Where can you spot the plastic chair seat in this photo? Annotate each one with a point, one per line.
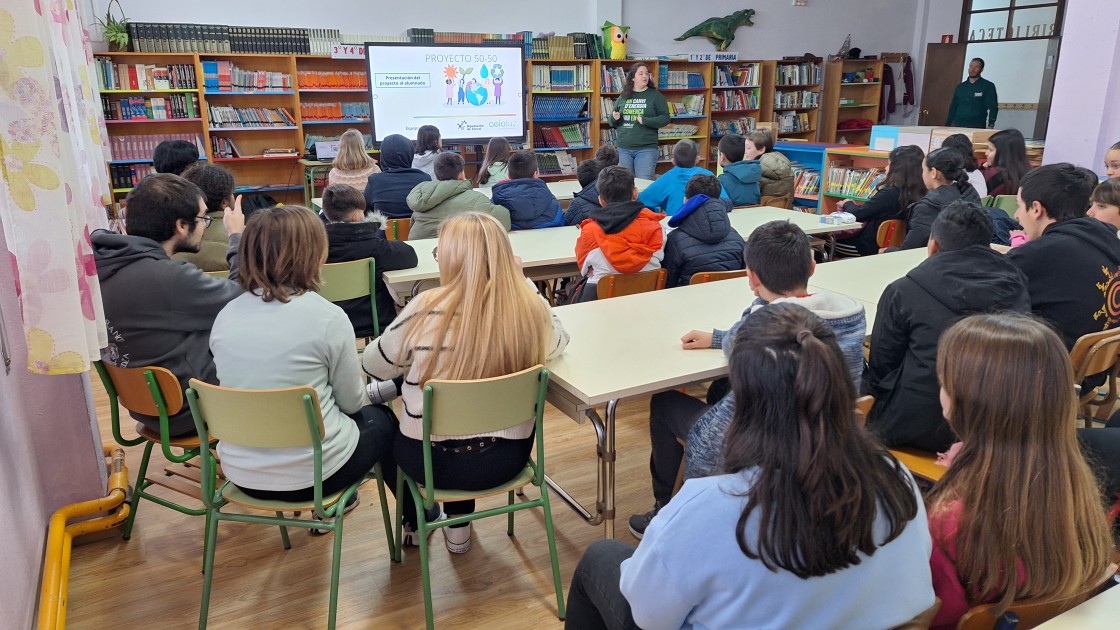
(921, 463)
(237, 496)
(183, 441)
(520, 481)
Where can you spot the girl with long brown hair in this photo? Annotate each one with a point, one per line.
(495, 165)
(1018, 492)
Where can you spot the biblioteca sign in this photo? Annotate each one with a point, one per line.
(1019, 31)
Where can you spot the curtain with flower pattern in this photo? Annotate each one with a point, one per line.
(53, 181)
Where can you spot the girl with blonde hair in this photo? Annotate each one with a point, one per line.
(352, 165)
(484, 320)
(1018, 492)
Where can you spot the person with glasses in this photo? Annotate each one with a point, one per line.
(216, 183)
(159, 311)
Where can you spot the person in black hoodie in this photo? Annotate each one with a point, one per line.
(902, 186)
(945, 178)
(1072, 261)
(703, 239)
(353, 236)
(387, 191)
(588, 174)
(159, 311)
(962, 276)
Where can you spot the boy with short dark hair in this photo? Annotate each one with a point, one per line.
(174, 156)
(740, 176)
(588, 174)
(622, 236)
(350, 237)
(703, 239)
(607, 155)
(450, 194)
(666, 193)
(530, 203)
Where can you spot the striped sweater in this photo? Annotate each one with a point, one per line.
(387, 358)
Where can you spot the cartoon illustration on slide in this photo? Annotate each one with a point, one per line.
(462, 92)
(471, 90)
(498, 72)
(450, 90)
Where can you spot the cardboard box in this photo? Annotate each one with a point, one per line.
(890, 137)
(979, 137)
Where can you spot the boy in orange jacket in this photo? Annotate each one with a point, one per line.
(623, 236)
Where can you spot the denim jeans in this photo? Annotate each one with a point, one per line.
(640, 161)
(595, 601)
(671, 416)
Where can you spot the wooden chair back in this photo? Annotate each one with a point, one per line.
(133, 389)
(922, 464)
(891, 233)
(616, 285)
(863, 407)
(397, 229)
(716, 276)
(265, 418)
(1032, 612)
(784, 201)
(1095, 353)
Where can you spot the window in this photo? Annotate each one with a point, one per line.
(1004, 20)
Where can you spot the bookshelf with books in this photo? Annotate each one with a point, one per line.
(797, 87)
(852, 92)
(333, 95)
(808, 161)
(563, 108)
(686, 86)
(741, 96)
(850, 173)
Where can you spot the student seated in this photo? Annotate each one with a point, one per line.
(351, 237)
(1072, 262)
(588, 174)
(174, 156)
(352, 166)
(666, 193)
(622, 236)
(499, 324)
(280, 333)
(428, 146)
(961, 143)
(1007, 162)
(740, 177)
(159, 311)
(386, 192)
(779, 263)
(946, 180)
(703, 239)
(1018, 493)
(530, 203)
(777, 172)
(450, 194)
(810, 523)
(608, 155)
(902, 187)
(963, 275)
(216, 183)
(495, 163)
(1105, 202)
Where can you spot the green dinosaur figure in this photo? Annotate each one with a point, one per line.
(720, 31)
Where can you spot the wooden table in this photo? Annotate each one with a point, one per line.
(566, 190)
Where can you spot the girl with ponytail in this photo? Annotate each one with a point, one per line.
(947, 181)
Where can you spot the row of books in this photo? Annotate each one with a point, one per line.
(561, 78)
(748, 75)
(797, 98)
(791, 122)
(141, 146)
(742, 126)
(853, 182)
(734, 100)
(128, 175)
(679, 79)
(806, 181)
(559, 106)
(217, 38)
(675, 130)
(223, 76)
(613, 79)
(224, 147)
(570, 46)
(235, 117)
(798, 74)
(556, 163)
(332, 80)
(691, 105)
(139, 76)
(545, 137)
(156, 108)
(334, 111)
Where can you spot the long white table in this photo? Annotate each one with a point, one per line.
(1096, 613)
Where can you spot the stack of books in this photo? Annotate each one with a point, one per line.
(741, 125)
(559, 107)
(223, 76)
(691, 105)
(853, 182)
(556, 163)
(332, 80)
(748, 75)
(679, 79)
(674, 130)
(792, 122)
(735, 100)
(139, 76)
(797, 98)
(141, 147)
(613, 79)
(249, 117)
(806, 181)
(798, 74)
(561, 78)
(334, 111)
(155, 108)
(574, 135)
(128, 175)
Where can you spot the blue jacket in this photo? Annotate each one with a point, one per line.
(666, 193)
(387, 191)
(583, 202)
(703, 241)
(740, 180)
(530, 203)
(704, 452)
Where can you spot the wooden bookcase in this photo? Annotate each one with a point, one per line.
(681, 82)
(742, 97)
(811, 157)
(563, 93)
(836, 158)
(796, 99)
(845, 99)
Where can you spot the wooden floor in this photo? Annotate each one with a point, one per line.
(155, 578)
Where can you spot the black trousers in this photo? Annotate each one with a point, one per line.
(595, 601)
(671, 416)
(1102, 451)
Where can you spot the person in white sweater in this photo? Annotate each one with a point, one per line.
(810, 525)
(279, 334)
(499, 325)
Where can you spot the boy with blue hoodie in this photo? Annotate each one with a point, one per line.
(703, 239)
(740, 177)
(667, 192)
(530, 203)
(588, 175)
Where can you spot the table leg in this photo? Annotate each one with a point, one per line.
(604, 491)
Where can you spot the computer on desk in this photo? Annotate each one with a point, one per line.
(326, 151)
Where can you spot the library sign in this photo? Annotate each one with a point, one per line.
(348, 51)
(714, 56)
(1018, 31)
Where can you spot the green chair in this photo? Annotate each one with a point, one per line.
(350, 281)
(459, 408)
(224, 275)
(986, 201)
(1007, 203)
(279, 418)
(151, 391)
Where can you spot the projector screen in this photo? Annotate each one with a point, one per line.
(471, 92)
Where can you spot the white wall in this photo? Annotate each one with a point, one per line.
(932, 19)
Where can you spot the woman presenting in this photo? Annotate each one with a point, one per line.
(638, 113)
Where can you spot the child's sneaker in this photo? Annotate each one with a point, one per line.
(411, 538)
(639, 522)
(350, 505)
(457, 539)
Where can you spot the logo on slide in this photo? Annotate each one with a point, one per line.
(466, 126)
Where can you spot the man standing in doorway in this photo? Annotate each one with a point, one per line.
(974, 100)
